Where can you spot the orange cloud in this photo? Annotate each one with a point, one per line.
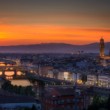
(31, 34)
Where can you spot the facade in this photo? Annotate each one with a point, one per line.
(50, 74)
(69, 76)
(59, 98)
(64, 75)
(101, 80)
(91, 79)
(104, 81)
(43, 70)
(76, 77)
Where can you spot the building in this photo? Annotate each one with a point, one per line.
(64, 98)
(76, 76)
(91, 79)
(69, 76)
(43, 70)
(101, 80)
(10, 102)
(104, 80)
(50, 74)
(64, 75)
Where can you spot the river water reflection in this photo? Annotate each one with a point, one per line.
(18, 82)
(22, 82)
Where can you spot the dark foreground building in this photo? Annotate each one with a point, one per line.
(9, 102)
(59, 98)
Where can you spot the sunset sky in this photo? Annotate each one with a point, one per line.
(61, 21)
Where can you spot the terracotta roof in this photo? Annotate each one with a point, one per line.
(57, 91)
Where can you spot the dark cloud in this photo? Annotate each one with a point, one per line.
(87, 6)
(31, 11)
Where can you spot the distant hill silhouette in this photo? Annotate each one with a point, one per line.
(53, 48)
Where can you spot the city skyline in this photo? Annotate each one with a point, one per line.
(54, 21)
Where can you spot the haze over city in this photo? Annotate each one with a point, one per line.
(54, 21)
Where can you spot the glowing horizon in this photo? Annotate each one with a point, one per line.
(27, 34)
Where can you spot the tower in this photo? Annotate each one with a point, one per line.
(102, 46)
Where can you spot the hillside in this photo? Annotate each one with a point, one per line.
(52, 48)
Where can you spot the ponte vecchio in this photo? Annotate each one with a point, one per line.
(9, 69)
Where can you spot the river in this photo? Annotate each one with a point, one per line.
(21, 82)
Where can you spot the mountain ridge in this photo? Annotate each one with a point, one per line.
(53, 48)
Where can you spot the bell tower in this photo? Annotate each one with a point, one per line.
(102, 47)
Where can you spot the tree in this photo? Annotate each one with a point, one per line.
(33, 107)
(108, 103)
(96, 99)
(99, 104)
(84, 78)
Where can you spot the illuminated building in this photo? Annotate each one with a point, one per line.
(102, 80)
(64, 75)
(91, 79)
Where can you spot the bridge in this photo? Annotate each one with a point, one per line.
(33, 76)
(40, 82)
(12, 72)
